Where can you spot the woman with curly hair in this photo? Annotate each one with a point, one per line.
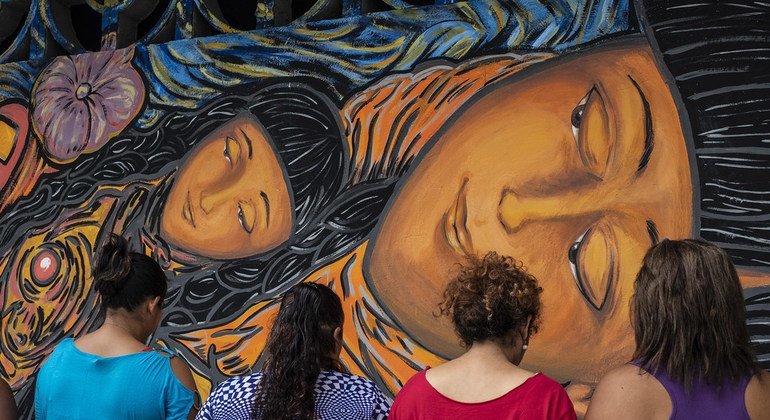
(494, 305)
(303, 377)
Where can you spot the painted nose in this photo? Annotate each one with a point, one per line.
(213, 198)
(514, 211)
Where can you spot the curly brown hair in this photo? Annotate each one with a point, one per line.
(490, 297)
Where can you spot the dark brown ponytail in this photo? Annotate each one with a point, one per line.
(125, 279)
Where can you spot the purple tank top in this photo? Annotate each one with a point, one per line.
(704, 401)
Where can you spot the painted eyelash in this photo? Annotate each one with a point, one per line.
(242, 220)
(577, 113)
(228, 157)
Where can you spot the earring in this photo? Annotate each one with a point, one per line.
(524, 347)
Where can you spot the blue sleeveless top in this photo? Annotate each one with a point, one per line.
(704, 402)
(72, 384)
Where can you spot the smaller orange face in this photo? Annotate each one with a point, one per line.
(231, 197)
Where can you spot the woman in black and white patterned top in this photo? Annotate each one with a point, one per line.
(303, 378)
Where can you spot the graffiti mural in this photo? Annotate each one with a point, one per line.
(372, 153)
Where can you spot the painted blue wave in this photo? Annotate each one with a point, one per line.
(352, 52)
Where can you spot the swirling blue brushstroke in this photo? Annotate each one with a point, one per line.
(348, 53)
(16, 80)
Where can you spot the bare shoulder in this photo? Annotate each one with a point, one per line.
(183, 373)
(757, 392)
(631, 391)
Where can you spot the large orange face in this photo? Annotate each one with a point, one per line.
(231, 197)
(574, 167)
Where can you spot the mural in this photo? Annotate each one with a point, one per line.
(372, 153)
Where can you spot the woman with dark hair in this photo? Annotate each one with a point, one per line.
(494, 305)
(693, 357)
(303, 377)
(111, 373)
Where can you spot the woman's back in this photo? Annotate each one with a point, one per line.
(704, 401)
(336, 396)
(535, 396)
(494, 304)
(640, 395)
(73, 384)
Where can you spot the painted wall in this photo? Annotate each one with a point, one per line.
(373, 152)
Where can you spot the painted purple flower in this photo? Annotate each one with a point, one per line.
(81, 102)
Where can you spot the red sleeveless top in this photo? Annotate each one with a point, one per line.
(539, 397)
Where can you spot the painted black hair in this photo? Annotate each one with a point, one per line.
(299, 117)
(303, 125)
(332, 217)
(725, 89)
(715, 53)
(126, 279)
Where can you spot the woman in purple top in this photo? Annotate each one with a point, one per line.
(693, 358)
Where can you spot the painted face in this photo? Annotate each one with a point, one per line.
(574, 168)
(231, 198)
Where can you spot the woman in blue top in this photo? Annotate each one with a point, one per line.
(303, 377)
(111, 373)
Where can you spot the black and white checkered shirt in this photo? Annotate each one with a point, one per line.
(338, 396)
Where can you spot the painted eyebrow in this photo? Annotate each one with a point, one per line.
(267, 206)
(248, 140)
(652, 230)
(649, 141)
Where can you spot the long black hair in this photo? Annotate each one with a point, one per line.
(303, 125)
(705, 334)
(302, 342)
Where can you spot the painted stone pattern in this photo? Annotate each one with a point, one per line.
(372, 153)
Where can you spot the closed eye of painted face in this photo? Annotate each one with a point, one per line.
(574, 168)
(231, 197)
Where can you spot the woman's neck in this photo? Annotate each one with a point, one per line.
(492, 353)
(125, 325)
